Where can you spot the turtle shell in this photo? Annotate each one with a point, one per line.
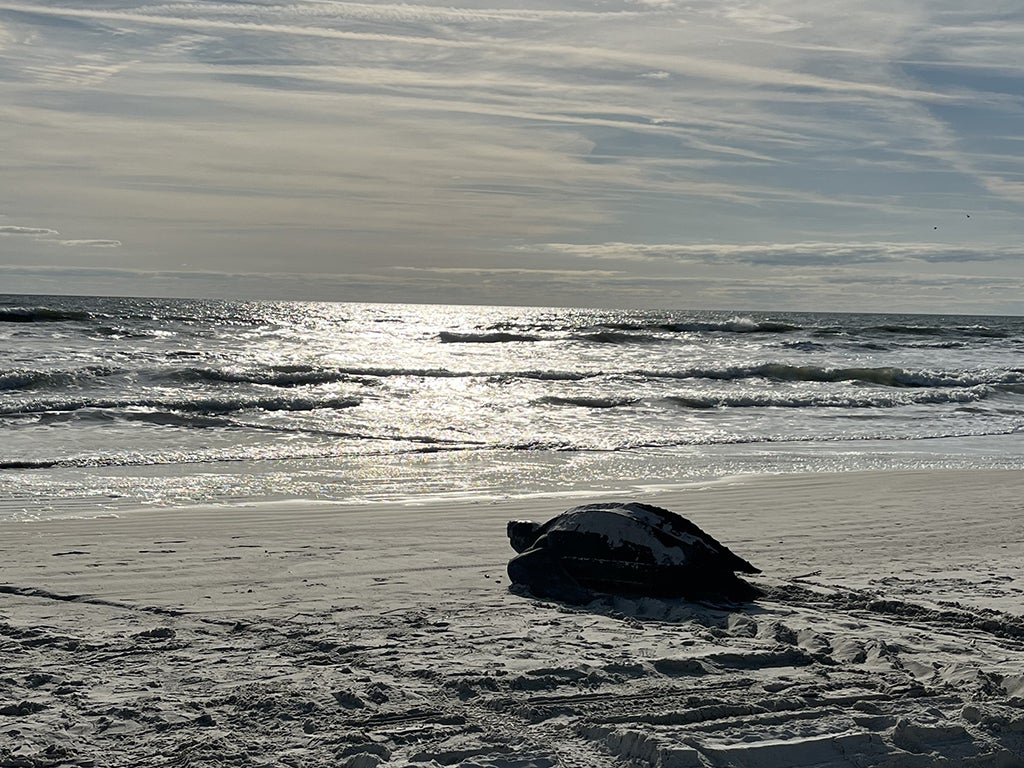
(637, 548)
(637, 533)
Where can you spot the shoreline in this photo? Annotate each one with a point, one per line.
(44, 494)
(291, 633)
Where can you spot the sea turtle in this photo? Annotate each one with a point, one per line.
(625, 549)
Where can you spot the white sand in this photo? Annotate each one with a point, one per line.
(316, 635)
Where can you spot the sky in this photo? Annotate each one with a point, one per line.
(863, 155)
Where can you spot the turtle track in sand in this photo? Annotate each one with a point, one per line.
(812, 676)
(714, 688)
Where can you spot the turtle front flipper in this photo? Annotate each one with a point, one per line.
(541, 573)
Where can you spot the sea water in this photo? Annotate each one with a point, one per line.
(113, 401)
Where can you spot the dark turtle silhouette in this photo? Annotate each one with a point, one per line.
(630, 549)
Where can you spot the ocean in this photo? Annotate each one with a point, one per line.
(114, 402)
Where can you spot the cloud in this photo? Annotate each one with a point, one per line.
(91, 243)
(199, 18)
(576, 55)
(764, 20)
(424, 142)
(27, 231)
(505, 271)
(787, 254)
(50, 236)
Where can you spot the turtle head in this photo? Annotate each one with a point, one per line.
(522, 534)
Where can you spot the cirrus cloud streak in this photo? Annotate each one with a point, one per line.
(789, 254)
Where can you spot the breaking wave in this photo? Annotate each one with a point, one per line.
(498, 337)
(288, 376)
(625, 332)
(875, 400)
(209, 405)
(734, 324)
(589, 402)
(878, 376)
(884, 376)
(276, 376)
(619, 337)
(975, 331)
(41, 315)
(29, 378)
(632, 444)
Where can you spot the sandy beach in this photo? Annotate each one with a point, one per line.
(312, 634)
